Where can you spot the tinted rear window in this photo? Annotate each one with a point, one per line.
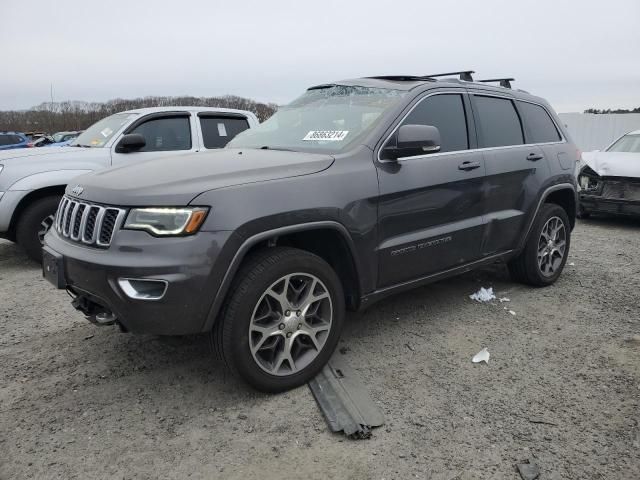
(499, 122)
(446, 112)
(218, 131)
(540, 127)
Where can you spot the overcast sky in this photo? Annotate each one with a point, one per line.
(577, 54)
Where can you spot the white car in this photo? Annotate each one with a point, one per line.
(32, 180)
(609, 181)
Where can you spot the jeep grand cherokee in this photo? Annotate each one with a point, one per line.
(356, 190)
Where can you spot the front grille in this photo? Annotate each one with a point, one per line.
(87, 223)
(616, 189)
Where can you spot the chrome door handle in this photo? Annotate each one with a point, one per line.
(534, 157)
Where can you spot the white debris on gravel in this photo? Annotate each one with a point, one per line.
(512, 313)
(481, 356)
(504, 299)
(483, 295)
(571, 264)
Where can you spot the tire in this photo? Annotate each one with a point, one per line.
(541, 271)
(582, 213)
(252, 305)
(30, 226)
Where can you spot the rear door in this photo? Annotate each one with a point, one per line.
(430, 206)
(514, 170)
(165, 134)
(216, 130)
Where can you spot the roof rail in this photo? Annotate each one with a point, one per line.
(465, 75)
(504, 82)
(403, 78)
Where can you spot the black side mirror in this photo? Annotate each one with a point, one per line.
(412, 140)
(130, 143)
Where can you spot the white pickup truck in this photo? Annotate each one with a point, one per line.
(33, 180)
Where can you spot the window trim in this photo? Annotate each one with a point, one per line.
(238, 116)
(482, 93)
(479, 130)
(154, 116)
(558, 130)
(468, 94)
(227, 115)
(470, 123)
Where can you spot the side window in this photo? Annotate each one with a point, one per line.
(5, 140)
(218, 131)
(446, 113)
(540, 127)
(165, 134)
(499, 122)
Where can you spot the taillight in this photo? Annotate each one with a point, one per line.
(30, 145)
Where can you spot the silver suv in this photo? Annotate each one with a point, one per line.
(32, 181)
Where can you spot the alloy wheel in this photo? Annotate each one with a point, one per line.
(552, 246)
(290, 324)
(45, 225)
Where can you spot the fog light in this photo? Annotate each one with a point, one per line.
(143, 289)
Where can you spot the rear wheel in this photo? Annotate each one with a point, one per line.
(34, 223)
(282, 320)
(545, 253)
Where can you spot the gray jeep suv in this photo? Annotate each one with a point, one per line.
(356, 190)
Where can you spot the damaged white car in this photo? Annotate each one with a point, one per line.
(609, 181)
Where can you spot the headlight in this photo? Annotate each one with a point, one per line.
(588, 183)
(166, 221)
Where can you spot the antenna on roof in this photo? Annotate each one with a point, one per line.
(464, 75)
(504, 82)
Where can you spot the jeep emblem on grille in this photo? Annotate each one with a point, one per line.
(77, 190)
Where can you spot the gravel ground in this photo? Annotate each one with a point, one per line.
(562, 387)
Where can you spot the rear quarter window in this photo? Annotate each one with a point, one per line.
(217, 131)
(539, 126)
(499, 122)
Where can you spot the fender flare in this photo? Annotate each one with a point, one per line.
(240, 254)
(543, 197)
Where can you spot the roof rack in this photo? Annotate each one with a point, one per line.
(504, 82)
(465, 75)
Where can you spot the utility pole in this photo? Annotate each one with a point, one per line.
(51, 122)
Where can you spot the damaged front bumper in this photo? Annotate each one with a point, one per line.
(595, 204)
(613, 195)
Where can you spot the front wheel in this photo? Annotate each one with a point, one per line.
(545, 253)
(282, 320)
(34, 223)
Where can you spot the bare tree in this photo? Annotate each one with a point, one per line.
(78, 115)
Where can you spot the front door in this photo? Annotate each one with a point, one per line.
(430, 206)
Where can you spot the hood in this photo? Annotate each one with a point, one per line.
(39, 152)
(175, 181)
(613, 164)
(31, 163)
